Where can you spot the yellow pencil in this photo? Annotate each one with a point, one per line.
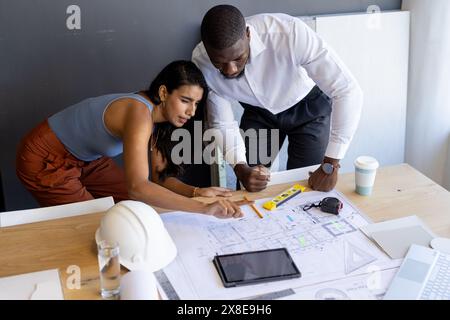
(254, 208)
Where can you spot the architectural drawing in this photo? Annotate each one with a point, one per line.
(324, 246)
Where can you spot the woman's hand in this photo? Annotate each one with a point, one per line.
(213, 192)
(224, 209)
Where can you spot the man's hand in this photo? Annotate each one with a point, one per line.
(321, 181)
(253, 178)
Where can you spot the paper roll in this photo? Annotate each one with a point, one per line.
(138, 285)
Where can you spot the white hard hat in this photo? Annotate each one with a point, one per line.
(143, 240)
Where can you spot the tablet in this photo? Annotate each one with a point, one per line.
(252, 267)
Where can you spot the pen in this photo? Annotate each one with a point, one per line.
(254, 208)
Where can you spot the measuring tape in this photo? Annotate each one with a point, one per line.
(284, 196)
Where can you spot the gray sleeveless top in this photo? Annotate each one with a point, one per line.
(81, 127)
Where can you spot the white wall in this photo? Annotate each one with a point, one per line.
(428, 116)
(375, 49)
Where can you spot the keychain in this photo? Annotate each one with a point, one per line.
(328, 205)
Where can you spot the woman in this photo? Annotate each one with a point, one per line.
(67, 158)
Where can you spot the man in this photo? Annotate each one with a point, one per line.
(277, 67)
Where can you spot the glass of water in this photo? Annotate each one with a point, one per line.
(108, 261)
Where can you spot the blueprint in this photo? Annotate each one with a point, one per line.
(370, 286)
(324, 246)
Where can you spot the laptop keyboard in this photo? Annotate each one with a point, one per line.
(438, 284)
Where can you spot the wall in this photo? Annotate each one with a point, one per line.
(376, 50)
(120, 47)
(428, 117)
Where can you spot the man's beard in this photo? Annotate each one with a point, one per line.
(234, 77)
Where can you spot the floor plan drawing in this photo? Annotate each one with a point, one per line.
(323, 246)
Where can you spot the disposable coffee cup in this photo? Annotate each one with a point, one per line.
(365, 172)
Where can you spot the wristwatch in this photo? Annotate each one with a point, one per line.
(328, 168)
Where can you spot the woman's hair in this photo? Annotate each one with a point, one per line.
(164, 144)
(173, 76)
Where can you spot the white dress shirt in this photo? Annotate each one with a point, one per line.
(287, 59)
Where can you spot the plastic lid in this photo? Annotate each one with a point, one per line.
(366, 163)
(441, 244)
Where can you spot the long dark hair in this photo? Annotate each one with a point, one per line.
(174, 75)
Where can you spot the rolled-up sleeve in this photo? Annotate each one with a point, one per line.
(226, 129)
(331, 75)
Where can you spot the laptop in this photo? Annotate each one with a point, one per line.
(423, 275)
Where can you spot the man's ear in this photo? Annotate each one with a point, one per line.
(247, 32)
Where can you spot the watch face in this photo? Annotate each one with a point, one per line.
(327, 168)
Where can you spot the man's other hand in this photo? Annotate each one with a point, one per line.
(321, 181)
(254, 179)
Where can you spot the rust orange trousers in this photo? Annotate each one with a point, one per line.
(54, 176)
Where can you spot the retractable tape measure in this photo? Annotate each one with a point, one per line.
(331, 205)
(328, 205)
(283, 197)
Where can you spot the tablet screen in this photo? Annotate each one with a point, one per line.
(256, 266)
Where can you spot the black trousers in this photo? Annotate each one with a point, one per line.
(306, 125)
